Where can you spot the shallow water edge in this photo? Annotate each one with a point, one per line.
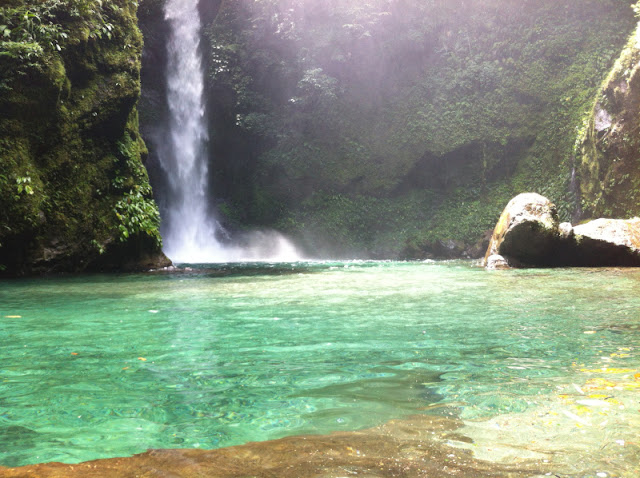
(412, 447)
(470, 373)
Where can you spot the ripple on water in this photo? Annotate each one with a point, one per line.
(521, 362)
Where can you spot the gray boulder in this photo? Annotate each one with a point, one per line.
(607, 242)
(528, 234)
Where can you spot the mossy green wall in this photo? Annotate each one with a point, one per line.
(73, 190)
(608, 146)
(381, 128)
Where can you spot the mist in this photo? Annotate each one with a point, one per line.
(386, 129)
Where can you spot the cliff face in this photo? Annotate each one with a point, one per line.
(378, 130)
(609, 146)
(73, 189)
(387, 128)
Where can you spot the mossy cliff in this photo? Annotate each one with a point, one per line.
(74, 193)
(389, 128)
(608, 147)
(380, 129)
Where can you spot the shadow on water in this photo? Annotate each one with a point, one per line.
(242, 269)
(251, 269)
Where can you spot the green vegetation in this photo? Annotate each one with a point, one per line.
(138, 214)
(377, 129)
(608, 144)
(72, 184)
(381, 127)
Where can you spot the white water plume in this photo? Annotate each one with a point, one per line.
(190, 231)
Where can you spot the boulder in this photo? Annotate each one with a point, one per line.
(529, 234)
(496, 262)
(478, 249)
(448, 249)
(436, 249)
(607, 242)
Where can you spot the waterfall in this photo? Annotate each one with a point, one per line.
(191, 233)
(189, 228)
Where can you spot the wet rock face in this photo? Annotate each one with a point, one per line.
(528, 234)
(607, 157)
(74, 193)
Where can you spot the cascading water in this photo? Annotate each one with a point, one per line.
(189, 230)
(189, 227)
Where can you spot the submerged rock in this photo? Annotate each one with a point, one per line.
(495, 262)
(418, 446)
(529, 234)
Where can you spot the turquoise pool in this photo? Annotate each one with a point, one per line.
(541, 364)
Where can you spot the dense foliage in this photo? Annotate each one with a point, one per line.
(72, 184)
(388, 125)
(382, 128)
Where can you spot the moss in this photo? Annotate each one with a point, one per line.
(608, 144)
(72, 128)
(466, 102)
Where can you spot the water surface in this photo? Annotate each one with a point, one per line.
(539, 364)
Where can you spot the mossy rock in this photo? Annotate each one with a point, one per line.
(70, 150)
(527, 232)
(608, 148)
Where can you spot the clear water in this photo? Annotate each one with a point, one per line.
(538, 363)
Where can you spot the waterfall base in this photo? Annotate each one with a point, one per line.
(257, 246)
